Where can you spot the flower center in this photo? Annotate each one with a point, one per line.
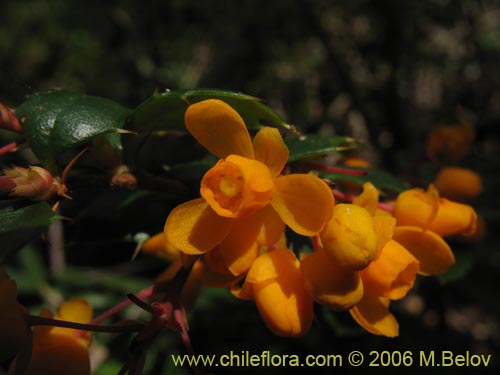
(237, 186)
(230, 186)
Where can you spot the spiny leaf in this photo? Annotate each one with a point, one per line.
(165, 111)
(314, 145)
(57, 121)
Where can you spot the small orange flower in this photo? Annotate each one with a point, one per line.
(422, 219)
(245, 202)
(61, 351)
(14, 330)
(275, 283)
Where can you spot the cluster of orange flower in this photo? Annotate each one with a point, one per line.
(233, 235)
(365, 254)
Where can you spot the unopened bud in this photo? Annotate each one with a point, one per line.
(33, 182)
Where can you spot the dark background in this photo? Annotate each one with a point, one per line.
(386, 71)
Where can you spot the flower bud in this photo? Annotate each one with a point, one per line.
(34, 182)
(349, 238)
(458, 183)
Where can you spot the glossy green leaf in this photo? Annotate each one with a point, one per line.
(56, 121)
(382, 179)
(165, 111)
(19, 226)
(313, 145)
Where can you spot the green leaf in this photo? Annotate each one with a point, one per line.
(57, 121)
(19, 226)
(382, 180)
(314, 145)
(165, 111)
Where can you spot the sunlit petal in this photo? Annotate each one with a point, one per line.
(270, 149)
(219, 128)
(373, 314)
(433, 253)
(368, 199)
(392, 274)
(194, 228)
(304, 202)
(454, 218)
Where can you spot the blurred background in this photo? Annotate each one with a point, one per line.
(386, 71)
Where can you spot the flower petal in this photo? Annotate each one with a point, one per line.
(270, 149)
(240, 248)
(384, 228)
(453, 218)
(295, 313)
(219, 128)
(392, 274)
(217, 280)
(271, 226)
(244, 291)
(417, 207)
(373, 314)
(433, 253)
(328, 284)
(194, 228)
(349, 237)
(368, 199)
(304, 202)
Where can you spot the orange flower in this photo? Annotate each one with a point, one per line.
(61, 351)
(275, 283)
(389, 273)
(458, 183)
(422, 219)
(14, 331)
(245, 202)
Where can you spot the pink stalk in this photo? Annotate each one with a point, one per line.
(350, 198)
(341, 170)
(120, 306)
